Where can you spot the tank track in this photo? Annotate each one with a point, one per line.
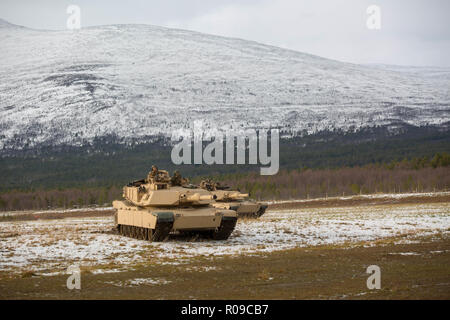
(225, 229)
(261, 211)
(223, 232)
(160, 233)
(257, 214)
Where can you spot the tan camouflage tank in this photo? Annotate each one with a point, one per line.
(233, 200)
(158, 205)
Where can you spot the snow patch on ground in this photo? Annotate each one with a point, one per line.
(405, 253)
(368, 196)
(102, 271)
(201, 269)
(138, 282)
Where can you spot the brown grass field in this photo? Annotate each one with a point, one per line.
(325, 272)
(415, 263)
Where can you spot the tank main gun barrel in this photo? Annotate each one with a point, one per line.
(196, 197)
(237, 195)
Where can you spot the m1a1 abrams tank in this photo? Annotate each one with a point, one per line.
(233, 200)
(153, 208)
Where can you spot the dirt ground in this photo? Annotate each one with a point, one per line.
(297, 250)
(408, 271)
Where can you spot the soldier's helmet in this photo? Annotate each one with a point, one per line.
(176, 179)
(207, 184)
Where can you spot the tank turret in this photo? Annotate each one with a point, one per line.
(158, 192)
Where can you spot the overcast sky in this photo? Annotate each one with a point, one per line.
(413, 32)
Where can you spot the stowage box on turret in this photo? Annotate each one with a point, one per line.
(154, 207)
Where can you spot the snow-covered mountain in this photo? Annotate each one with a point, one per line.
(140, 81)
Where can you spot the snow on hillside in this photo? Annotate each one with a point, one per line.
(138, 81)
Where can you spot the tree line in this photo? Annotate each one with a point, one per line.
(419, 174)
(415, 175)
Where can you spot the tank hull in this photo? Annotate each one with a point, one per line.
(156, 223)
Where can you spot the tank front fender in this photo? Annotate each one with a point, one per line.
(228, 214)
(228, 218)
(166, 216)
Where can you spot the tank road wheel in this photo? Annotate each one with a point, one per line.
(138, 233)
(130, 231)
(142, 233)
(161, 231)
(150, 234)
(225, 229)
(145, 233)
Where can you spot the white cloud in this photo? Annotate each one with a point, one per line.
(335, 29)
(414, 32)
